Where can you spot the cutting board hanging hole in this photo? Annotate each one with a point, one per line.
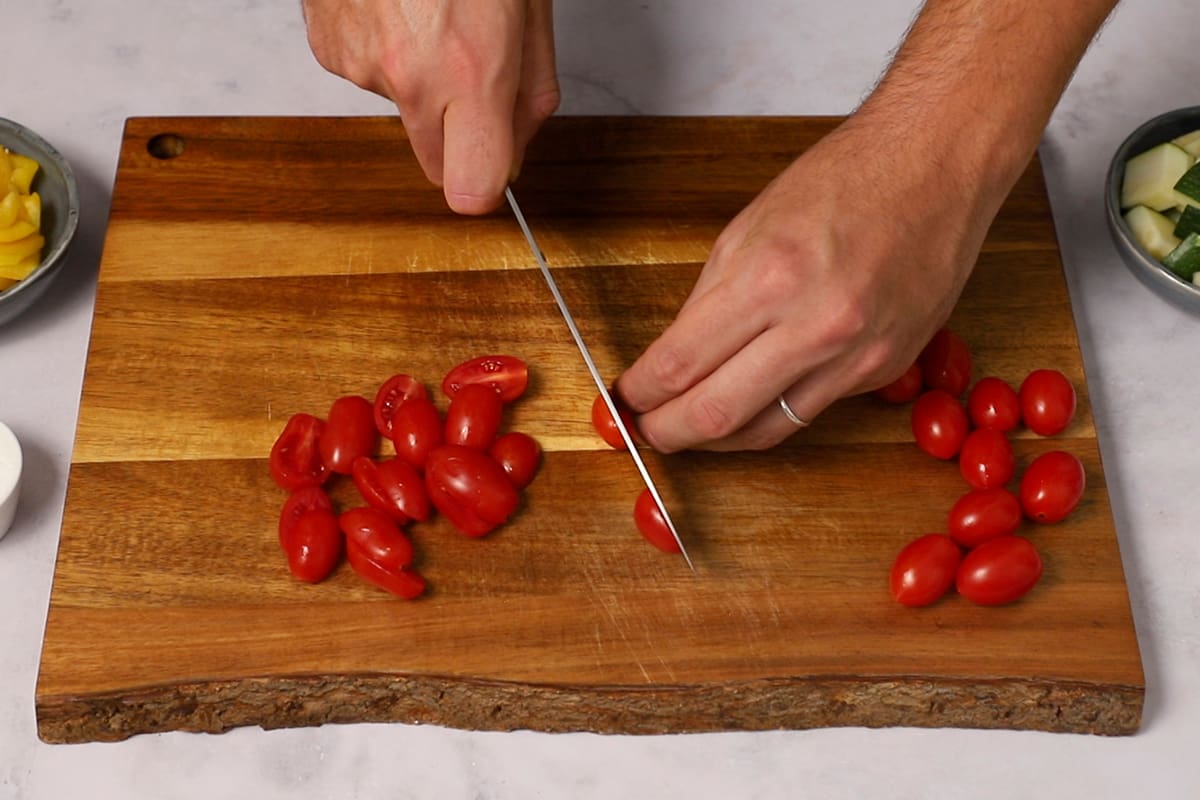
(165, 146)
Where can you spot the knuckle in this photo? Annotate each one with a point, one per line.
(670, 368)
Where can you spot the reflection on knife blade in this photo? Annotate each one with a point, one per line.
(599, 381)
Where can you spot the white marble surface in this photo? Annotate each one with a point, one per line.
(75, 69)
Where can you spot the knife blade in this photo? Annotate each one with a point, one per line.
(630, 445)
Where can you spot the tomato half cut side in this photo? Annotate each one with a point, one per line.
(924, 570)
(507, 375)
(404, 582)
(301, 501)
(652, 524)
(295, 460)
(313, 545)
(394, 392)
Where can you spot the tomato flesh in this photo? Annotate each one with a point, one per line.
(519, 455)
(999, 571)
(652, 524)
(507, 375)
(924, 570)
(394, 392)
(1052, 486)
(301, 501)
(295, 460)
(350, 432)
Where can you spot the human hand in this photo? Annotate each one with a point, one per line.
(473, 80)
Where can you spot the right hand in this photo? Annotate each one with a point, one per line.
(473, 80)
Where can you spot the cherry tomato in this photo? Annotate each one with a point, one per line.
(904, 389)
(508, 375)
(1052, 486)
(602, 421)
(474, 415)
(295, 460)
(469, 488)
(994, 404)
(349, 433)
(301, 501)
(391, 395)
(652, 525)
(519, 455)
(999, 571)
(1047, 401)
(986, 458)
(924, 570)
(393, 486)
(946, 363)
(983, 514)
(376, 535)
(939, 424)
(416, 429)
(313, 545)
(404, 582)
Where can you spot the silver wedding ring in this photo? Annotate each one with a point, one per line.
(793, 417)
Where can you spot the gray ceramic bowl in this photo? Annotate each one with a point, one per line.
(55, 182)
(1148, 269)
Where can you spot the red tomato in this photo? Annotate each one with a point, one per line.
(508, 375)
(999, 571)
(986, 458)
(473, 418)
(1052, 486)
(924, 570)
(652, 525)
(939, 423)
(313, 545)
(602, 421)
(904, 389)
(295, 460)
(1047, 401)
(349, 433)
(519, 455)
(469, 488)
(393, 486)
(301, 501)
(946, 363)
(404, 582)
(416, 429)
(391, 395)
(994, 404)
(376, 535)
(983, 514)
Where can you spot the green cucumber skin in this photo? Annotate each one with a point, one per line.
(1184, 260)
(1188, 222)
(1189, 184)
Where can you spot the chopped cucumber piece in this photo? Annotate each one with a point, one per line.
(1184, 260)
(1150, 177)
(1152, 230)
(1188, 184)
(1188, 222)
(1189, 142)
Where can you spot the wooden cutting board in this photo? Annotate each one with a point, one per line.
(258, 267)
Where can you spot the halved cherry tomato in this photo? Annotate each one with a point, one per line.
(999, 571)
(313, 545)
(983, 514)
(986, 458)
(295, 460)
(946, 362)
(652, 525)
(519, 455)
(469, 487)
(349, 433)
(404, 582)
(377, 536)
(1052, 486)
(994, 404)
(393, 486)
(602, 421)
(1047, 401)
(391, 395)
(508, 375)
(924, 569)
(904, 389)
(473, 417)
(939, 423)
(301, 501)
(416, 429)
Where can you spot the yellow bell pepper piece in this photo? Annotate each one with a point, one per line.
(32, 211)
(18, 230)
(10, 208)
(23, 171)
(19, 272)
(13, 253)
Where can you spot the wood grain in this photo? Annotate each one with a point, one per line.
(279, 263)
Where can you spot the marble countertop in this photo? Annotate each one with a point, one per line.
(74, 70)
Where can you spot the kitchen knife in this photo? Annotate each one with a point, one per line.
(591, 365)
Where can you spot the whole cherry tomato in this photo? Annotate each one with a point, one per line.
(924, 569)
(469, 488)
(301, 501)
(349, 433)
(946, 362)
(994, 404)
(473, 417)
(393, 486)
(416, 429)
(313, 545)
(1047, 401)
(519, 455)
(999, 571)
(983, 514)
(404, 582)
(508, 375)
(652, 525)
(939, 423)
(1052, 486)
(986, 458)
(295, 460)
(391, 395)
(376, 535)
(904, 389)
(602, 421)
